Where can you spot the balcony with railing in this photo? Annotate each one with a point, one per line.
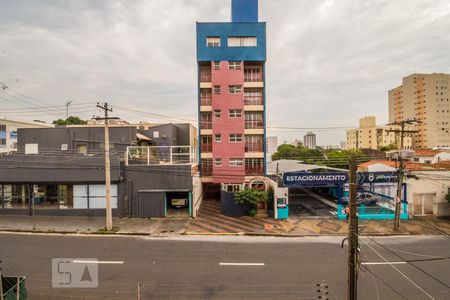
(205, 99)
(206, 167)
(254, 147)
(205, 121)
(254, 166)
(160, 155)
(205, 77)
(254, 124)
(206, 147)
(253, 74)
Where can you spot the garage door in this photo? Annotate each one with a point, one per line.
(149, 205)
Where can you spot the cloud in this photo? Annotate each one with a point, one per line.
(329, 62)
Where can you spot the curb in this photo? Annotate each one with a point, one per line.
(286, 235)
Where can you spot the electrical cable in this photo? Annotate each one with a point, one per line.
(410, 263)
(406, 277)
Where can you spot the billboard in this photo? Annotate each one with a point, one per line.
(299, 179)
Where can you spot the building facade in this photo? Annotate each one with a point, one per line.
(424, 97)
(271, 146)
(60, 171)
(8, 132)
(370, 136)
(231, 87)
(309, 140)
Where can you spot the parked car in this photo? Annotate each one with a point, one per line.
(362, 198)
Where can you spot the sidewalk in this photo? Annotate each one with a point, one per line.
(56, 224)
(417, 226)
(211, 222)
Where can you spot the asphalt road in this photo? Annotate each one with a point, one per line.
(190, 267)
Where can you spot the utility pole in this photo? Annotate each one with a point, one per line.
(352, 236)
(403, 133)
(106, 110)
(67, 109)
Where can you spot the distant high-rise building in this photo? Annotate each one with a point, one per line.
(424, 97)
(371, 136)
(309, 140)
(231, 64)
(343, 145)
(271, 146)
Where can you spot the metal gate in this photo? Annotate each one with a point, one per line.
(149, 205)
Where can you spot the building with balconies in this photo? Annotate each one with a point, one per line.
(231, 64)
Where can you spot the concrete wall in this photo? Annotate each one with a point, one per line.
(20, 168)
(225, 30)
(430, 182)
(51, 139)
(153, 178)
(197, 195)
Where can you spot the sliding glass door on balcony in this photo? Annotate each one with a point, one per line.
(254, 143)
(205, 73)
(206, 143)
(254, 120)
(254, 166)
(206, 167)
(253, 73)
(253, 96)
(205, 97)
(205, 121)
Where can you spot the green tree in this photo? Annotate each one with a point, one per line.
(70, 121)
(340, 158)
(388, 148)
(300, 152)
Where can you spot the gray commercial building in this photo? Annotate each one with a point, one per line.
(60, 171)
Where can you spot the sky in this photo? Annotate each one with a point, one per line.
(328, 62)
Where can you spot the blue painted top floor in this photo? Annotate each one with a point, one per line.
(226, 30)
(244, 10)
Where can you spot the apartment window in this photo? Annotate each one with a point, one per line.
(2, 141)
(217, 113)
(218, 138)
(235, 89)
(235, 113)
(217, 89)
(213, 41)
(217, 162)
(236, 162)
(234, 65)
(234, 137)
(232, 188)
(216, 65)
(242, 41)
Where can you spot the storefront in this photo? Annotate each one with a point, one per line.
(42, 188)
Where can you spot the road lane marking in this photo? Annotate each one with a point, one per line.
(384, 263)
(241, 264)
(98, 262)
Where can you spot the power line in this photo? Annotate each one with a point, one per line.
(410, 263)
(406, 277)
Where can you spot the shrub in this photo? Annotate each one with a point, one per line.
(250, 198)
